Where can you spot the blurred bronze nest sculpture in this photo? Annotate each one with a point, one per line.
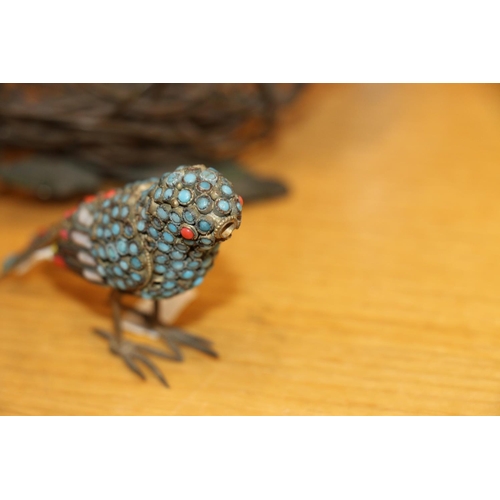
(116, 125)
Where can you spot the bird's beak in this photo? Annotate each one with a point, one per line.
(226, 229)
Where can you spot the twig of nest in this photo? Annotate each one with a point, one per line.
(138, 124)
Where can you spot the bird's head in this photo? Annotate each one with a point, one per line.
(196, 205)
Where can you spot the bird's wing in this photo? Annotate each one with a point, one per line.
(75, 246)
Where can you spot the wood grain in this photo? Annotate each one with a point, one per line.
(373, 288)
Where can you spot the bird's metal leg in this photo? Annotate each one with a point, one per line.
(132, 352)
(172, 336)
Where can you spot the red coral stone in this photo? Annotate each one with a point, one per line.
(63, 233)
(240, 200)
(110, 193)
(70, 212)
(59, 261)
(89, 199)
(187, 233)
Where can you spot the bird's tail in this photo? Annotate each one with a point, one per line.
(42, 247)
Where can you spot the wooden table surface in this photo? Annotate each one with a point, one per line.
(372, 288)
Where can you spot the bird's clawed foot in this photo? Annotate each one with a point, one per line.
(174, 338)
(132, 353)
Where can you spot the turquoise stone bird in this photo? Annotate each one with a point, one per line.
(154, 239)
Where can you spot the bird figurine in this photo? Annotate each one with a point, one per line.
(153, 239)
